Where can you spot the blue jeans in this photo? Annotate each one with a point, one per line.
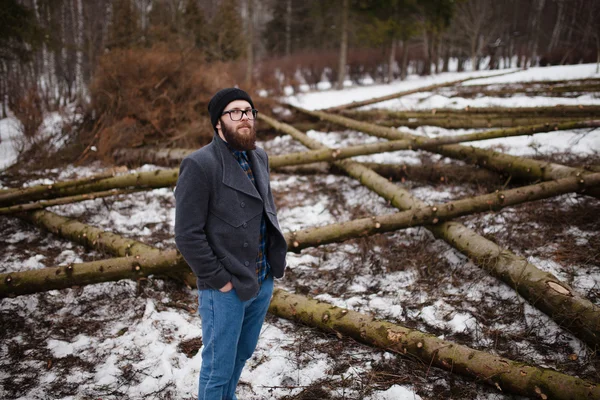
(230, 330)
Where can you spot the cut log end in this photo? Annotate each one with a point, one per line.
(559, 288)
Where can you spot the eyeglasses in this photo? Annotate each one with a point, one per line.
(237, 115)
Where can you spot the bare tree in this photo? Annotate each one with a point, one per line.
(476, 21)
(343, 45)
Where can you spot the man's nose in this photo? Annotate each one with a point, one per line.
(245, 115)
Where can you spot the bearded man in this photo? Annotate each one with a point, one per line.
(226, 228)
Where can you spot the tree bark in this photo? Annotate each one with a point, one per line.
(502, 373)
(436, 173)
(437, 213)
(558, 301)
(87, 235)
(417, 143)
(63, 200)
(384, 120)
(164, 157)
(557, 26)
(148, 180)
(98, 239)
(391, 61)
(62, 277)
(356, 104)
(250, 43)
(343, 46)
(404, 67)
(590, 112)
(117, 245)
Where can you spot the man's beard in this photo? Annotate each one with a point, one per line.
(239, 141)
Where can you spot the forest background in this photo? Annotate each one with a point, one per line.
(140, 72)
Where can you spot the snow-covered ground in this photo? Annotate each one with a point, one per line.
(429, 100)
(128, 340)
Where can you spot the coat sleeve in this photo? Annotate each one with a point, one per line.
(192, 196)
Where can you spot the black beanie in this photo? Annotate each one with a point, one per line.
(220, 100)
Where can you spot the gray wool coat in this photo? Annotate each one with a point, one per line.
(217, 218)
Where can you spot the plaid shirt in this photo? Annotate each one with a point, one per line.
(262, 265)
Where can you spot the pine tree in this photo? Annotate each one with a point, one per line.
(195, 23)
(226, 40)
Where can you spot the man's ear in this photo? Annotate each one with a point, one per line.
(218, 125)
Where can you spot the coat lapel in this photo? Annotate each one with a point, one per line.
(233, 174)
(261, 175)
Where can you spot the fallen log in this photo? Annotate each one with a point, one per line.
(114, 244)
(436, 173)
(88, 236)
(529, 90)
(579, 111)
(15, 201)
(416, 142)
(442, 121)
(98, 239)
(543, 290)
(64, 200)
(80, 274)
(519, 167)
(164, 157)
(6, 194)
(429, 88)
(504, 374)
(437, 213)
(140, 180)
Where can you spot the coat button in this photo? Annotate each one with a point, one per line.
(242, 204)
(244, 224)
(246, 263)
(245, 244)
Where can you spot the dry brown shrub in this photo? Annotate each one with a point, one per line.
(27, 108)
(363, 62)
(276, 73)
(154, 96)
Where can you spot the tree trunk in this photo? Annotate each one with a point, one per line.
(517, 166)
(250, 43)
(343, 46)
(502, 373)
(151, 179)
(306, 157)
(164, 157)
(88, 236)
(404, 67)
(288, 28)
(427, 39)
(415, 143)
(391, 61)
(436, 173)
(104, 241)
(589, 112)
(437, 213)
(558, 302)
(356, 104)
(557, 26)
(55, 278)
(535, 29)
(19, 208)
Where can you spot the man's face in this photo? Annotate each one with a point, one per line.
(241, 135)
